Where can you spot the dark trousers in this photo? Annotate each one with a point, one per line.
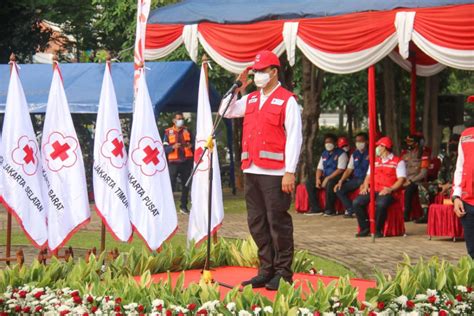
(382, 202)
(183, 170)
(270, 224)
(348, 187)
(467, 222)
(329, 192)
(410, 193)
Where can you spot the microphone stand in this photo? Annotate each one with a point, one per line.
(209, 146)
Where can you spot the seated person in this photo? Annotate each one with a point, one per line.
(343, 143)
(417, 161)
(390, 174)
(331, 165)
(445, 178)
(355, 173)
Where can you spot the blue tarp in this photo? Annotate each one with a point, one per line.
(173, 86)
(248, 11)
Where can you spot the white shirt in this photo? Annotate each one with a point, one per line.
(401, 167)
(341, 162)
(457, 190)
(293, 130)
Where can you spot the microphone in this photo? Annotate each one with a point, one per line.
(236, 85)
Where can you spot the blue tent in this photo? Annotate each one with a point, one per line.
(173, 86)
(248, 11)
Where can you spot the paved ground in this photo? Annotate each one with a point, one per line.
(331, 237)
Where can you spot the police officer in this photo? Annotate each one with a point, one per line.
(390, 174)
(271, 144)
(463, 186)
(330, 168)
(178, 144)
(355, 173)
(417, 161)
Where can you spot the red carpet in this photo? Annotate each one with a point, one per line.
(234, 275)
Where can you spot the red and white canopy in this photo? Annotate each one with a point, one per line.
(435, 37)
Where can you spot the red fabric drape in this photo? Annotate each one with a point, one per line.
(347, 33)
(451, 27)
(162, 35)
(242, 42)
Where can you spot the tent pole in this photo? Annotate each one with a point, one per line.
(413, 95)
(372, 133)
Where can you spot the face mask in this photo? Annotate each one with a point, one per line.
(179, 123)
(261, 79)
(378, 151)
(346, 148)
(329, 146)
(360, 146)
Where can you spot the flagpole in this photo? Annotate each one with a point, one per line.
(9, 215)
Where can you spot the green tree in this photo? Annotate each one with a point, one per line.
(20, 32)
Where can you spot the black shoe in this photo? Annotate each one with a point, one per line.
(363, 233)
(258, 281)
(314, 212)
(184, 210)
(274, 283)
(422, 220)
(378, 234)
(329, 213)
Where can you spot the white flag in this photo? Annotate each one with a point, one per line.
(152, 208)
(110, 174)
(63, 165)
(21, 168)
(198, 218)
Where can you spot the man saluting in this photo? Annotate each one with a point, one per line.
(271, 143)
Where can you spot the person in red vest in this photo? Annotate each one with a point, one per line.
(271, 144)
(390, 174)
(178, 144)
(463, 186)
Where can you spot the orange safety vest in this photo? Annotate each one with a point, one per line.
(172, 133)
(264, 137)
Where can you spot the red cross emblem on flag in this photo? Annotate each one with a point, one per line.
(25, 155)
(204, 164)
(113, 148)
(29, 155)
(149, 155)
(60, 150)
(118, 150)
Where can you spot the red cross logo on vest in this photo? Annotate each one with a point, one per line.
(113, 149)
(204, 165)
(60, 151)
(149, 156)
(26, 155)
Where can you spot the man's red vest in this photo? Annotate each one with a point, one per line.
(467, 180)
(264, 138)
(385, 172)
